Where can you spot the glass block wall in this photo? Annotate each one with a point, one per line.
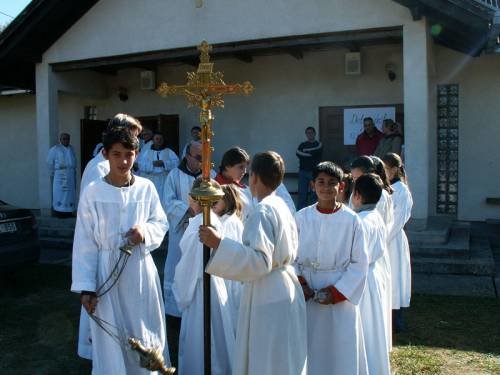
(447, 194)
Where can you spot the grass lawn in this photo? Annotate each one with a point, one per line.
(39, 324)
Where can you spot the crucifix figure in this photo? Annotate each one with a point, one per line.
(205, 89)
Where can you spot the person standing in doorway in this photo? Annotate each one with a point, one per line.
(368, 140)
(195, 137)
(61, 161)
(309, 154)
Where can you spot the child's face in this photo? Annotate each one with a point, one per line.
(326, 187)
(121, 159)
(219, 207)
(356, 173)
(237, 171)
(391, 172)
(194, 205)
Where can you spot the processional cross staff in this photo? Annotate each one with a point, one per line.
(205, 89)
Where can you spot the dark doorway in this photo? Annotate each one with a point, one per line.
(90, 136)
(168, 125)
(331, 132)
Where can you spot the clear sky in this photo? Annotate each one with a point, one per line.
(12, 8)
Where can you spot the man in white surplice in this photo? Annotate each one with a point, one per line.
(113, 211)
(271, 336)
(332, 263)
(61, 161)
(176, 205)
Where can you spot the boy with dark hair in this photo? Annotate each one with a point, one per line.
(332, 264)
(374, 315)
(271, 333)
(120, 222)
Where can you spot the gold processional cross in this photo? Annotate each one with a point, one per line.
(205, 89)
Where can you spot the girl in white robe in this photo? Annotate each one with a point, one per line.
(373, 164)
(96, 250)
(367, 191)
(156, 162)
(332, 259)
(188, 292)
(271, 333)
(399, 249)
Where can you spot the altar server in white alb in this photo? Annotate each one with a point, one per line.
(96, 169)
(114, 211)
(399, 250)
(176, 205)
(229, 210)
(98, 166)
(61, 161)
(271, 334)
(188, 291)
(367, 191)
(157, 161)
(332, 263)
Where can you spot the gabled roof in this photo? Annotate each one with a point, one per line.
(31, 33)
(469, 26)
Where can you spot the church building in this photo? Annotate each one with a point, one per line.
(434, 66)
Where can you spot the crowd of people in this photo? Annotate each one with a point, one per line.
(316, 291)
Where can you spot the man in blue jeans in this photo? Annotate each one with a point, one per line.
(309, 154)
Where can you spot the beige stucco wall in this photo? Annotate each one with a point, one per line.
(479, 129)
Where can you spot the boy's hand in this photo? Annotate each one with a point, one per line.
(324, 296)
(135, 235)
(308, 292)
(209, 237)
(89, 302)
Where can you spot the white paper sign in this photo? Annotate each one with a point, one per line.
(353, 120)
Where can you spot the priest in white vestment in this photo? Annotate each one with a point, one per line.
(61, 162)
(176, 205)
(271, 332)
(156, 162)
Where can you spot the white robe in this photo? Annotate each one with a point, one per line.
(332, 252)
(134, 305)
(97, 149)
(188, 291)
(174, 200)
(157, 174)
(385, 208)
(247, 201)
(232, 227)
(61, 161)
(96, 168)
(373, 309)
(271, 332)
(282, 192)
(399, 250)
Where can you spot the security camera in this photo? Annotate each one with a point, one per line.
(123, 94)
(391, 71)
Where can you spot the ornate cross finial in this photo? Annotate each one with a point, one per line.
(204, 49)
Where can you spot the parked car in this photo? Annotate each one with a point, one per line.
(18, 237)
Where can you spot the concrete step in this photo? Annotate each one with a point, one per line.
(47, 231)
(458, 245)
(480, 262)
(436, 232)
(47, 242)
(454, 285)
(49, 221)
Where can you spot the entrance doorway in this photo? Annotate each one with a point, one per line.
(91, 133)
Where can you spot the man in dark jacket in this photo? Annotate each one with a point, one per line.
(309, 154)
(367, 142)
